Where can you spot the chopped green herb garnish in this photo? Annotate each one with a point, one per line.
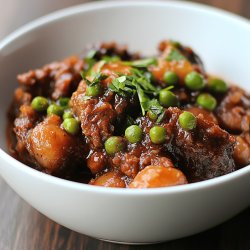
(83, 75)
(108, 59)
(64, 101)
(142, 63)
(143, 99)
(97, 79)
(139, 84)
(101, 64)
(91, 54)
(175, 55)
(123, 86)
(85, 98)
(154, 106)
(160, 117)
(89, 63)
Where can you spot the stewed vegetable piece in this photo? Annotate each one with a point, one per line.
(217, 85)
(93, 90)
(40, 103)
(187, 120)
(158, 134)
(194, 81)
(206, 101)
(133, 134)
(114, 144)
(71, 125)
(167, 98)
(55, 109)
(170, 78)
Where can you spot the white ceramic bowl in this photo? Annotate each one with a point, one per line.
(133, 216)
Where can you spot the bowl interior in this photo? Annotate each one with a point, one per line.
(221, 40)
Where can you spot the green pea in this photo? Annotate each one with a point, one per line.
(187, 120)
(55, 109)
(71, 125)
(158, 134)
(168, 98)
(94, 90)
(133, 134)
(67, 114)
(194, 81)
(171, 78)
(40, 103)
(217, 85)
(206, 101)
(114, 144)
(153, 116)
(64, 101)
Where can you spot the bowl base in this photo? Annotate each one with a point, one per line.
(130, 243)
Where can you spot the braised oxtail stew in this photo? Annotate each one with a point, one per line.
(116, 119)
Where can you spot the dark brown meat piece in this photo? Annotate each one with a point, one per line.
(99, 115)
(26, 120)
(138, 157)
(111, 49)
(203, 153)
(96, 116)
(234, 111)
(54, 80)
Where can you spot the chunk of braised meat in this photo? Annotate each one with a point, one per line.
(137, 157)
(202, 153)
(99, 116)
(127, 164)
(242, 150)
(20, 98)
(26, 120)
(54, 80)
(96, 116)
(233, 111)
(111, 49)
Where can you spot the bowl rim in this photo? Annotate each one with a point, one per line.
(93, 6)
